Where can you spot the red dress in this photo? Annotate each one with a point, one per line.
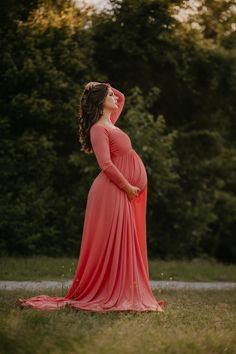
(112, 272)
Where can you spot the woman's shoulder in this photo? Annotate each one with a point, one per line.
(98, 131)
(99, 128)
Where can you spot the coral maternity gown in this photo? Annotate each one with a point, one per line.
(112, 272)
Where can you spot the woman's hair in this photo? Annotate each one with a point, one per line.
(90, 110)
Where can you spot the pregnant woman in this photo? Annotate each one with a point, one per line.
(112, 271)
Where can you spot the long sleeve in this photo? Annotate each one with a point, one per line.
(120, 103)
(100, 144)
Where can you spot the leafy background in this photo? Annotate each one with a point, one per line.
(179, 80)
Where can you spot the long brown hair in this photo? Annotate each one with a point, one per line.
(90, 110)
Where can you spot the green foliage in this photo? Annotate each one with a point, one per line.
(179, 79)
(203, 165)
(46, 60)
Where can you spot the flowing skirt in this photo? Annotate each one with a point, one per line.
(112, 271)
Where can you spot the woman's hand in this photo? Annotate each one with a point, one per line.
(132, 191)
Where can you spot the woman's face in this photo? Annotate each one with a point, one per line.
(110, 102)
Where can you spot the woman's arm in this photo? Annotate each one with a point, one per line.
(120, 102)
(100, 144)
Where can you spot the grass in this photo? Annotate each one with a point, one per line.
(194, 322)
(48, 268)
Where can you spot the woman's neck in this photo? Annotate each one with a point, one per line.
(105, 120)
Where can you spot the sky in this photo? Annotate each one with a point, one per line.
(182, 15)
(99, 4)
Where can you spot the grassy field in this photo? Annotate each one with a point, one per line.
(48, 268)
(194, 322)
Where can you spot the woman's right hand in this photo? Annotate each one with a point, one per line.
(132, 191)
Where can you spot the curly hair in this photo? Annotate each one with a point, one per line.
(90, 110)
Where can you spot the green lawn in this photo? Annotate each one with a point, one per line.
(192, 322)
(48, 268)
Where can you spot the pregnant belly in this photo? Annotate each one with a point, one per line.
(132, 167)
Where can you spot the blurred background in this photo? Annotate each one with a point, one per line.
(175, 62)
